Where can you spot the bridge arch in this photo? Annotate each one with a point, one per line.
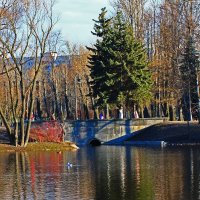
(94, 142)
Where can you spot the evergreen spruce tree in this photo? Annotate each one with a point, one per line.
(99, 58)
(118, 64)
(188, 69)
(127, 67)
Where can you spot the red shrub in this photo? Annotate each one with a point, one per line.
(51, 131)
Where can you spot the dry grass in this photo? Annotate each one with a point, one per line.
(43, 146)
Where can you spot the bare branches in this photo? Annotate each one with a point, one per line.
(25, 26)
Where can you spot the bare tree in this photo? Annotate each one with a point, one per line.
(172, 18)
(134, 13)
(23, 39)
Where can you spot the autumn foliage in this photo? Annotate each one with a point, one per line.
(49, 131)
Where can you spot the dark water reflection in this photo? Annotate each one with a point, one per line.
(105, 172)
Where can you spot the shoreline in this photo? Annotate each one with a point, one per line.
(42, 146)
(173, 133)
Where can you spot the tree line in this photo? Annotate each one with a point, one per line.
(145, 59)
(170, 32)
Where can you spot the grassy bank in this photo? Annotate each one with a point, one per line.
(43, 146)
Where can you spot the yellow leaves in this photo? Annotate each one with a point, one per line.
(79, 63)
(162, 62)
(31, 73)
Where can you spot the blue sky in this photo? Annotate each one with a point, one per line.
(75, 18)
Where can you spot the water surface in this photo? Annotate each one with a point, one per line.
(102, 173)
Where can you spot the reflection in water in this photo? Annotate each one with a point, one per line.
(105, 172)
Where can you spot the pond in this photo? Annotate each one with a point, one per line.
(104, 173)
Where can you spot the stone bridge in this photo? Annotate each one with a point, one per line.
(105, 131)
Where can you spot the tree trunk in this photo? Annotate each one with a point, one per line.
(28, 127)
(92, 99)
(16, 133)
(86, 110)
(107, 112)
(45, 100)
(22, 124)
(67, 106)
(142, 112)
(57, 110)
